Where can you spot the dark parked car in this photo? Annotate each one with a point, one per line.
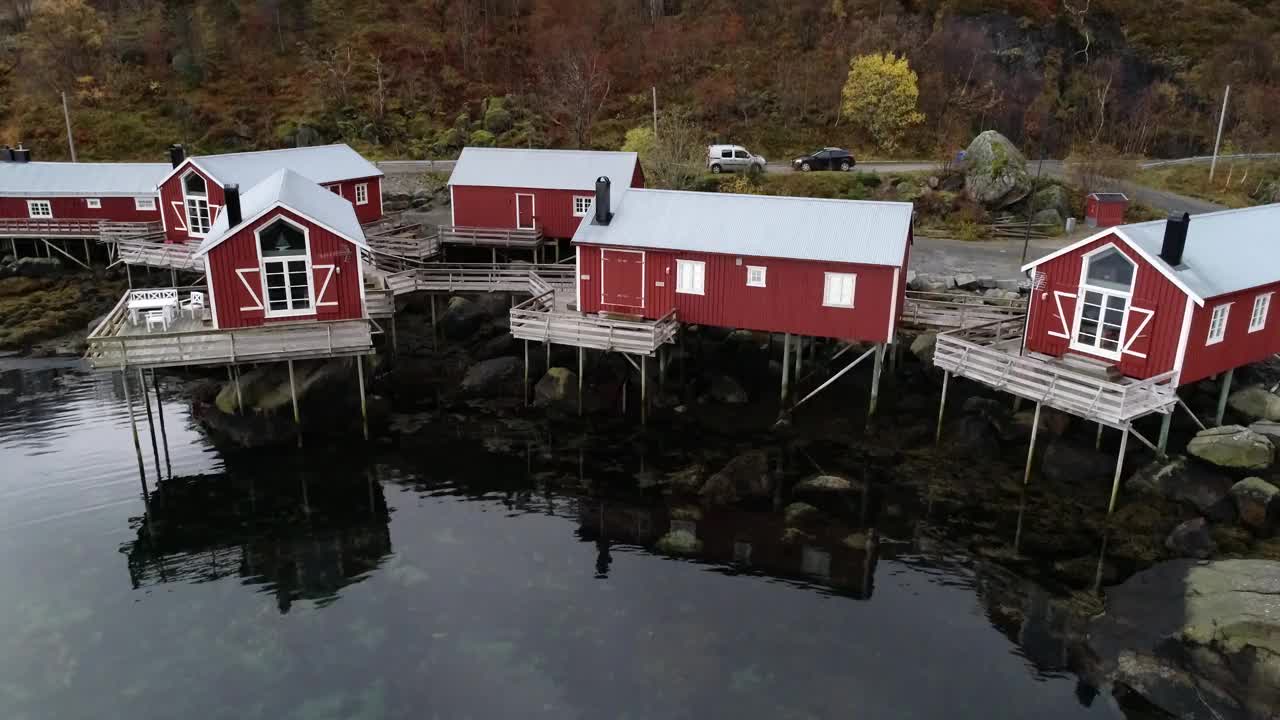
(825, 159)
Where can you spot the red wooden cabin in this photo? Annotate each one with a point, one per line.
(191, 192)
(550, 190)
(825, 268)
(43, 192)
(287, 251)
(1192, 295)
(1104, 210)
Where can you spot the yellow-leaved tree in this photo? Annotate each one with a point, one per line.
(881, 95)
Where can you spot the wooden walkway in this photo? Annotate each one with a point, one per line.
(152, 251)
(481, 277)
(117, 344)
(539, 319)
(990, 354)
(72, 228)
(400, 246)
(487, 237)
(950, 311)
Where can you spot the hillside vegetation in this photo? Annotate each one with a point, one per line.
(422, 78)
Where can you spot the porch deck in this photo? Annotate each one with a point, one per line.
(991, 354)
(481, 277)
(116, 343)
(73, 228)
(949, 311)
(529, 239)
(543, 319)
(401, 246)
(152, 251)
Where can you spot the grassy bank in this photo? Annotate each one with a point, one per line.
(36, 309)
(1234, 184)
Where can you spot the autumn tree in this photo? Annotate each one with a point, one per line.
(674, 157)
(575, 85)
(881, 96)
(63, 42)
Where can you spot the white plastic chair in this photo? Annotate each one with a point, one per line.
(157, 317)
(194, 302)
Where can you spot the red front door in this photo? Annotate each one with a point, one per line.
(622, 278)
(524, 211)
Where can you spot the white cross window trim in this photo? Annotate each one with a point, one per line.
(581, 205)
(144, 203)
(1258, 319)
(362, 194)
(755, 276)
(838, 289)
(691, 277)
(93, 203)
(1218, 324)
(39, 209)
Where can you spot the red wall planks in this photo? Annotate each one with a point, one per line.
(1238, 346)
(117, 209)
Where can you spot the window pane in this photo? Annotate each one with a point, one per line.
(1115, 317)
(1109, 345)
(1090, 312)
(275, 280)
(1115, 302)
(276, 293)
(302, 304)
(298, 280)
(279, 305)
(1110, 268)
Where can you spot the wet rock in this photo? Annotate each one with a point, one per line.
(800, 514)
(500, 344)
(679, 542)
(687, 481)
(1269, 430)
(923, 346)
(1256, 403)
(745, 476)
(1084, 571)
(1256, 502)
(35, 267)
(857, 541)
(491, 377)
(965, 281)
(820, 484)
(1051, 197)
(796, 536)
(1196, 639)
(461, 318)
(692, 513)
(558, 387)
(1049, 217)
(1233, 446)
(1180, 480)
(725, 389)
(1192, 539)
(976, 436)
(1066, 462)
(995, 171)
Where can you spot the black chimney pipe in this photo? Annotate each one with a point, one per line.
(21, 154)
(1175, 238)
(177, 154)
(6, 154)
(603, 214)
(231, 203)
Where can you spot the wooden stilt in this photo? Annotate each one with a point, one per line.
(799, 355)
(164, 435)
(526, 373)
(548, 365)
(942, 406)
(88, 259)
(173, 277)
(1097, 441)
(582, 366)
(293, 395)
(434, 334)
(133, 425)
(893, 357)
(128, 273)
(1017, 403)
(1223, 394)
(239, 395)
(644, 396)
(875, 381)
(395, 349)
(364, 406)
(1115, 484)
(494, 252)
(1162, 444)
(151, 426)
(786, 366)
(1031, 448)
(662, 368)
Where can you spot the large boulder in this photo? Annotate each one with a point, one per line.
(558, 387)
(462, 318)
(923, 346)
(1191, 539)
(1051, 197)
(1197, 639)
(725, 389)
(1049, 217)
(1066, 462)
(679, 542)
(824, 484)
(995, 171)
(1267, 429)
(800, 514)
(490, 377)
(1233, 446)
(745, 476)
(1256, 403)
(1182, 481)
(687, 481)
(1256, 502)
(37, 266)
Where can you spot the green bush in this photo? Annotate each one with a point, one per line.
(497, 120)
(482, 138)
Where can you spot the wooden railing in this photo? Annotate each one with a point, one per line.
(480, 277)
(112, 231)
(105, 230)
(948, 311)
(990, 354)
(490, 237)
(379, 303)
(154, 252)
(537, 319)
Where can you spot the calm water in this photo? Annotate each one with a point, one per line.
(269, 586)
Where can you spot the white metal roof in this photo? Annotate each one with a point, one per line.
(1226, 251)
(853, 231)
(321, 164)
(541, 169)
(286, 188)
(60, 179)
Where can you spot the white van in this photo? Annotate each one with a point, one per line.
(732, 158)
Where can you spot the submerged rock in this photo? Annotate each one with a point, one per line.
(725, 389)
(679, 542)
(687, 481)
(1192, 539)
(800, 514)
(824, 484)
(1180, 480)
(490, 377)
(1196, 639)
(745, 476)
(558, 387)
(1066, 462)
(1256, 502)
(1233, 446)
(1269, 430)
(1256, 403)
(462, 318)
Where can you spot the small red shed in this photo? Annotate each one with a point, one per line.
(1191, 295)
(523, 189)
(191, 191)
(1105, 209)
(823, 268)
(287, 251)
(114, 192)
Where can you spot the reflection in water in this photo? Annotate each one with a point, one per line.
(299, 538)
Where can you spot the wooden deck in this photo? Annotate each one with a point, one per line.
(491, 237)
(379, 303)
(116, 343)
(152, 251)
(401, 246)
(482, 277)
(72, 228)
(950, 311)
(991, 354)
(539, 318)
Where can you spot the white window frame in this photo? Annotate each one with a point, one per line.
(188, 200)
(698, 286)
(336, 189)
(1105, 292)
(262, 270)
(362, 193)
(44, 212)
(144, 203)
(753, 269)
(1218, 325)
(1261, 308)
(93, 203)
(827, 279)
(582, 205)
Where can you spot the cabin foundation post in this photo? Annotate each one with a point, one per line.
(582, 365)
(644, 395)
(151, 425)
(395, 350)
(1017, 403)
(1097, 441)
(799, 355)
(1222, 397)
(164, 435)
(239, 395)
(875, 381)
(1031, 449)
(1163, 443)
(526, 373)
(128, 273)
(173, 277)
(895, 347)
(548, 345)
(293, 395)
(364, 405)
(434, 331)
(786, 366)
(133, 425)
(662, 369)
(942, 406)
(88, 259)
(1115, 484)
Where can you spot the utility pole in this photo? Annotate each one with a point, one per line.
(66, 116)
(1026, 235)
(655, 112)
(1222, 116)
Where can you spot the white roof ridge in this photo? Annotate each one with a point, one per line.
(272, 150)
(805, 198)
(477, 148)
